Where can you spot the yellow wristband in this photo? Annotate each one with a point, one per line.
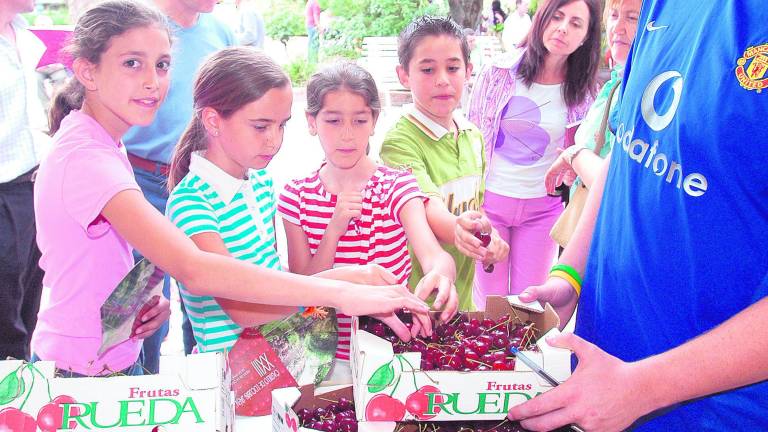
(568, 278)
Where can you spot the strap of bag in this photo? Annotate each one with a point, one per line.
(600, 136)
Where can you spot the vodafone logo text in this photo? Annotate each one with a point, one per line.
(647, 154)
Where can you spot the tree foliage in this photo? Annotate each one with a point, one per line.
(355, 19)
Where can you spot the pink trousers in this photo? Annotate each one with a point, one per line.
(525, 225)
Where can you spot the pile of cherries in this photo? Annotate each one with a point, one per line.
(337, 416)
(463, 343)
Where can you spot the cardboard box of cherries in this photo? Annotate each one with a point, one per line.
(307, 409)
(464, 371)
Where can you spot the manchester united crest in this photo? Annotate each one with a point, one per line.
(752, 68)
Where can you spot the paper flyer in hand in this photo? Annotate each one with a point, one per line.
(121, 313)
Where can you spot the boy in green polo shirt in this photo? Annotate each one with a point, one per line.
(442, 149)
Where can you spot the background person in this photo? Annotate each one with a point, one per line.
(523, 103)
(22, 144)
(197, 33)
(516, 26)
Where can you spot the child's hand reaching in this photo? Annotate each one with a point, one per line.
(471, 222)
(447, 298)
(349, 205)
(152, 319)
(377, 293)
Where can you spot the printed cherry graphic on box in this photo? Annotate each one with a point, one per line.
(418, 403)
(49, 417)
(384, 407)
(14, 420)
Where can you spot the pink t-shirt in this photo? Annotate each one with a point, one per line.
(312, 12)
(83, 257)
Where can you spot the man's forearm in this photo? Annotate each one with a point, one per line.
(731, 355)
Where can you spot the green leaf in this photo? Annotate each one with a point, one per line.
(382, 378)
(11, 388)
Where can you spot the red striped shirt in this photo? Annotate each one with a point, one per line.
(376, 237)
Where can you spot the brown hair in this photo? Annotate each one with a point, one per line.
(424, 26)
(342, 75)
(581, 65)
(91, 38)
(228, 80)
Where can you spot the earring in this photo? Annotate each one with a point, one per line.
(215, 133)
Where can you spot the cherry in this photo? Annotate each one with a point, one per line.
(345, 404)
(417, 403)
(485, 238)
(384, 408)
(304, 415)
(14, 420)
(378, 329)
(51, 415)
(499, 365)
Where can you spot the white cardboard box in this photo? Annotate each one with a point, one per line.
(475, 395)
(191, 394)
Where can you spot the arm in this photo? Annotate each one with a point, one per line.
(557, 291)
(242, 313)
(400, 153)
(585, 164)
(700, 367)
(439, 268)
(205, 273)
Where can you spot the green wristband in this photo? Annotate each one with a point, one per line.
(568, 269)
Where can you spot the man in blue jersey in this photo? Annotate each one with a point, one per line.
(675, 274)
(197, 34)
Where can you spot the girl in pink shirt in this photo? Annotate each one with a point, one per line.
(91, 213)
(352, 210)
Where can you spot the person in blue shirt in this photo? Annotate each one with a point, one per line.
(671, 328)
(197, 34)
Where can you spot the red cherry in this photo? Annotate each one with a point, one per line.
(417, 403)
(51, 415)
(14, 420)
(485, 238)
(499, 365)
(384, 408)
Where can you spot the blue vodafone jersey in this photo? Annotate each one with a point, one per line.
(681, 241)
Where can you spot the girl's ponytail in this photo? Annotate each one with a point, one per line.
(193, 139)
(227, 81)
(68, 98)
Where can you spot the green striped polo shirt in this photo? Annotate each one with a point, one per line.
(242, 213)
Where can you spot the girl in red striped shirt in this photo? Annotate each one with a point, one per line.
(352, 210)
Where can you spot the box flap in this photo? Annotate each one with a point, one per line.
(558, 360)
(198, 371)
(498, 306)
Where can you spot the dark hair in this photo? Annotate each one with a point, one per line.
(91, 38)
(228, 80)
(496, 8)
(424, 26)
(581, 65)
(342, 75)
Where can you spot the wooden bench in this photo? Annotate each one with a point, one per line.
(380, 59)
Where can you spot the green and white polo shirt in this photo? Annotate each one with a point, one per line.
(447, 168)
(242, 213)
